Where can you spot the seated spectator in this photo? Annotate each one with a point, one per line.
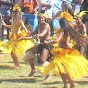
(30, 6)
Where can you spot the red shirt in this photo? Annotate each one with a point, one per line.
(31, 4)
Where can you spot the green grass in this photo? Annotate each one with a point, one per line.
(11, 78)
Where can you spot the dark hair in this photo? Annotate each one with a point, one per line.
(76, 36)
(68, 8)
(85, 18)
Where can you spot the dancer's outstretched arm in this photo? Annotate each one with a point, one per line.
(5, 25)
(60, 36)
(26, 38)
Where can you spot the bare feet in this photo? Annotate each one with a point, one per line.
(32, 72)
(16, 67)
(72, 86)
(48, 77)
(65, 87)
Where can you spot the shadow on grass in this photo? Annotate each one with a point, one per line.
(39, 76)
(50, 87)
(82, 82)
(51, 83)
(5, 67)
(60, 82)
(25, 80)
(13, 62)
(31, 76)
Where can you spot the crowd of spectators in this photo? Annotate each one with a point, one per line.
(27, 6)
(35, 6)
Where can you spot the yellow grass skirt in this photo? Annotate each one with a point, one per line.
(66, 61)
(17, 46)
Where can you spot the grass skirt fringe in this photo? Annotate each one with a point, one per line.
(19, 47)
(67, 61)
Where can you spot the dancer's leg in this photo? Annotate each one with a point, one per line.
(15, 59)
(33, 70)
(48, 77)
(44, 55)
(72, 85)
(64, 80)
(31, 58)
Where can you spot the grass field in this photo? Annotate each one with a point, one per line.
(12, 78)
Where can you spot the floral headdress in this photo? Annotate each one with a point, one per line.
(81, 14)
(67, 16)
(17, 7)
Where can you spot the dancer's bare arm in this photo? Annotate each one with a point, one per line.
(5, 25)
(26, 38)
(57, 15)
(23, 26)
(60, 36)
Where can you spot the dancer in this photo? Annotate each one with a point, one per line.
(67, 62)
(43, 32)
(15, 46)
(81, 28)
(64, 7)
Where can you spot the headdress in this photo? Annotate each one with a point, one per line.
(41, 14)
(66, 15)
(17, 7)
(81, 14)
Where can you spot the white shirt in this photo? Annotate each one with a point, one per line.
(28, 1)
(77, 8)
(48, 10)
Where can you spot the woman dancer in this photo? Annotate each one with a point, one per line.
(15, 46)
(64, 7)
(67, 62)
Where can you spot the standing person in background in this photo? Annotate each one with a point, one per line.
(30, 6)
(5, 12)
(76, 5)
